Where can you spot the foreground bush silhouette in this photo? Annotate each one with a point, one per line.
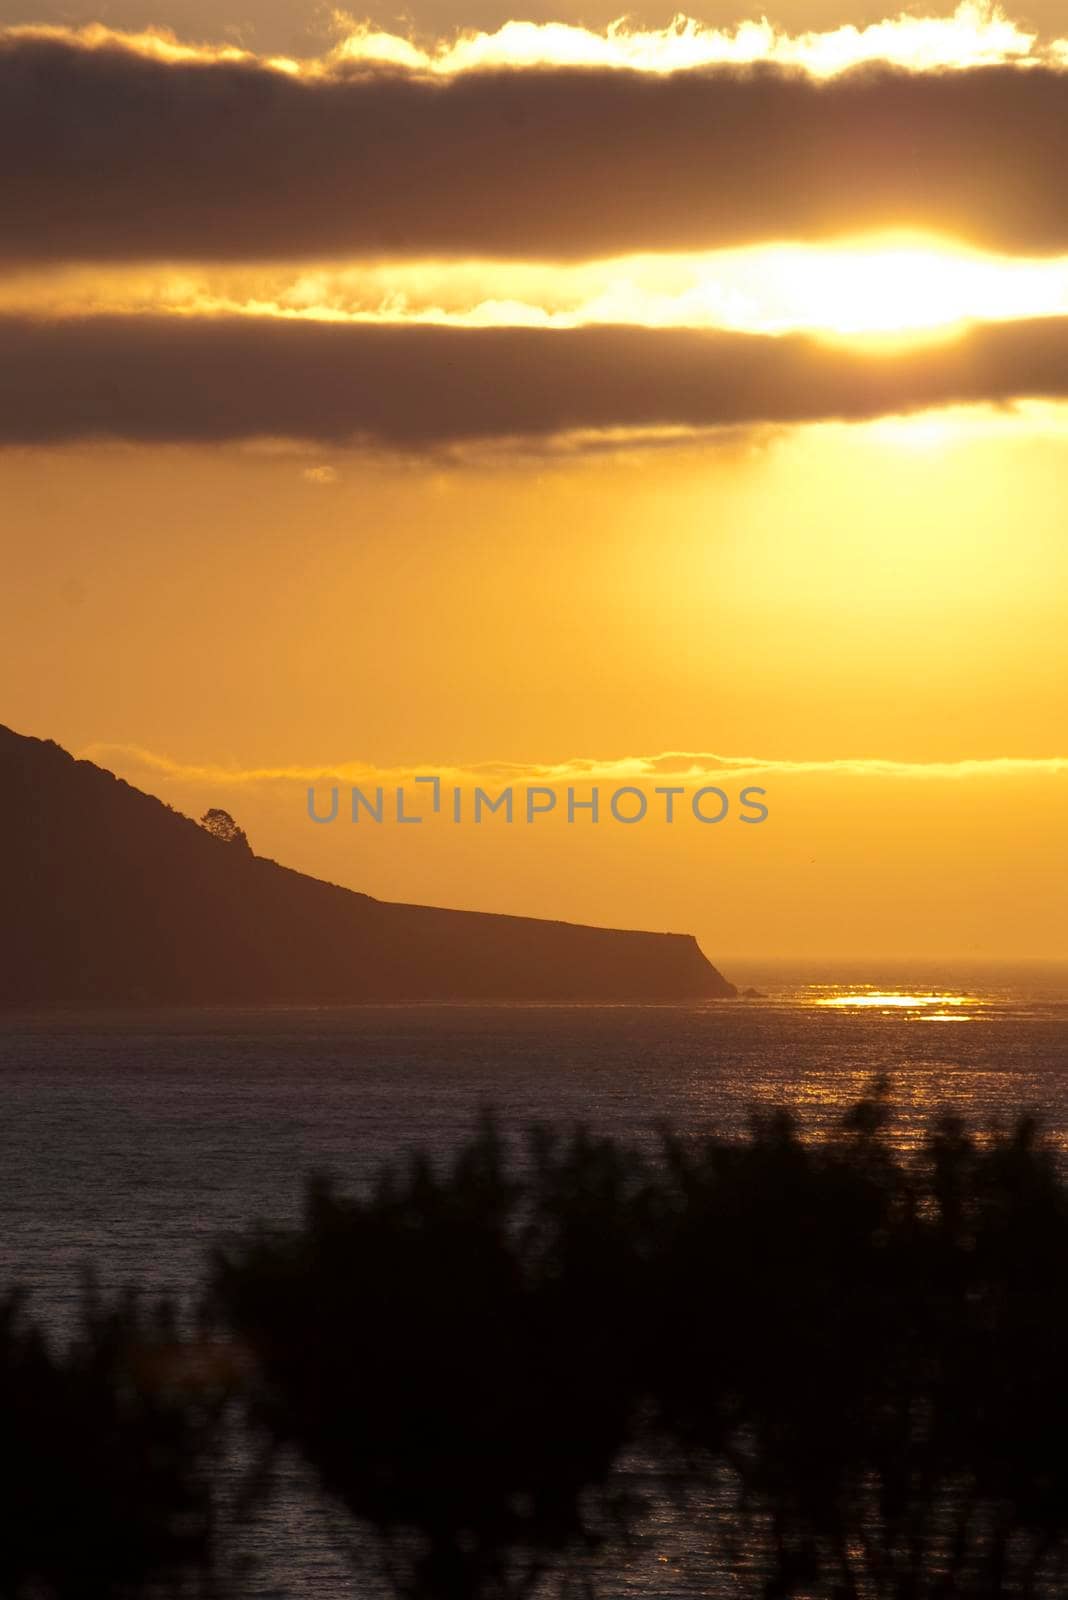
(853, 1363)
(445, 1353)
(844, 1367)
(107, 1450)
(869, 1357)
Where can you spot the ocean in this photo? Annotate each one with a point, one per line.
(130, 1142)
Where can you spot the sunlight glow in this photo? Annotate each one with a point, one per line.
(977, 33)
(937, 1006)
(882, 287)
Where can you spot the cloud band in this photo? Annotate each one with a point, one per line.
(208, 380)
(693, 766)
(123, 155)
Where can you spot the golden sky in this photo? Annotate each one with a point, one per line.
(582, 403)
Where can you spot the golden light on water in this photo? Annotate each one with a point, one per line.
(933, 1006)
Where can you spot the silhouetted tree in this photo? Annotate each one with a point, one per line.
(865, 1357)
(450, 1355)
(107, 1451)
(852, 1363)
(221, 825)
(843, 1364)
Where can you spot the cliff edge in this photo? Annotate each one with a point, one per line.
(111, 898)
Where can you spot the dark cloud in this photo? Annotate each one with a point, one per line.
(111, 155)
(217, 379)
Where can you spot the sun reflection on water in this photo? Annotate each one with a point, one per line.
(915, 1006)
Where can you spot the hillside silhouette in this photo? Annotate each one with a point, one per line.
(112, 898)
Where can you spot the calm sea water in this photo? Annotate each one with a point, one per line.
(131, 1141)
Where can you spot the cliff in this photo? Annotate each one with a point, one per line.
(111, 898)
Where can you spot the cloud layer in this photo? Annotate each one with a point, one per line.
(691, 766)
(128, 155)
(212, 380)
(874, 286)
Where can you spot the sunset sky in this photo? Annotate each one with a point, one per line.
(545, 399)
